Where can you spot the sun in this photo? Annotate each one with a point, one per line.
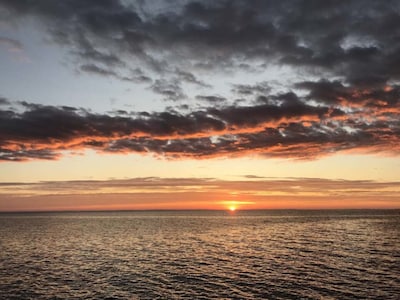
(233, 206)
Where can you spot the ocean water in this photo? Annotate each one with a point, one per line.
(200, 255)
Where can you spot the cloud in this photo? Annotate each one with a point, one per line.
(284, 125)
(261, 88)
(251, 183)
(190, 78)
(136, 76)
(4, 101)
(334, 93)
(171, 90)
(189, 193)
(334, 38)
(91, 68)
(211, 99)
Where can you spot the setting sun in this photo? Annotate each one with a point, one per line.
(235, 205)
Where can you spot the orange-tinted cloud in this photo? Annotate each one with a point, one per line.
(199, 193)
(283, 125)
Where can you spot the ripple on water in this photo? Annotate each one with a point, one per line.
(198, 256)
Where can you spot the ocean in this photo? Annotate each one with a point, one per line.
(345, 254)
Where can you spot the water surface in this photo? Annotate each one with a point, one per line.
(201, 255)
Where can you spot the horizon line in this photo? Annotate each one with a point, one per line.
(202, 210)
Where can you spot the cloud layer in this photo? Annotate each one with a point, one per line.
(195, 193)
(345, 57)
(277, 126)
(354, 40)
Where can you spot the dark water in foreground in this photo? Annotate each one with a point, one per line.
(201, 255)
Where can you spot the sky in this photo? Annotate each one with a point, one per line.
(112, 104)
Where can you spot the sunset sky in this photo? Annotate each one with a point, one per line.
(113, 104)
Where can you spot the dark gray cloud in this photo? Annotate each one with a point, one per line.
(261, 88)
(354, 40)
(92, 68)
(329, 92)
(335, 93)
(284, 125)
(4, 101)
(169, 89)
(136, 76)
(211, 99)
(24, 154)
(190, 78)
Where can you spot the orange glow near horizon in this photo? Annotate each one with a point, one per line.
(130, 202)
(156, 193)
